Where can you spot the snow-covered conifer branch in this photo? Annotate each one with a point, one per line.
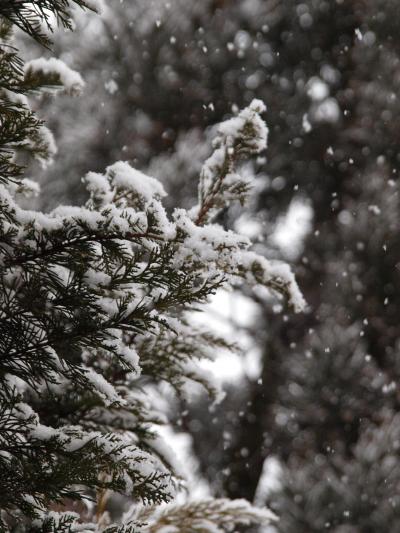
(237, 138)
(52, 73)
(94, 304)
(204, 516)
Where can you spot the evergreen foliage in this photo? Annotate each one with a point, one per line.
(95, 304)
(325, 398)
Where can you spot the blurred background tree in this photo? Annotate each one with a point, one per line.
(323, 400)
